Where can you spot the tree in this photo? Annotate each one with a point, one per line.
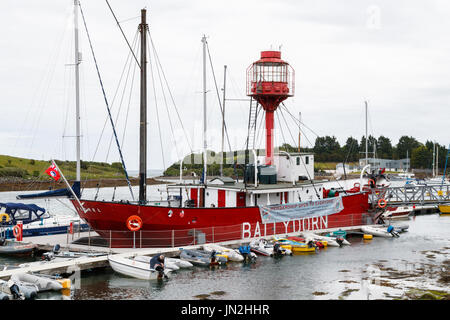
(406, 145)
(384, 148)
(421, 157)
(327, 149)
(350, 149)
(372, 141)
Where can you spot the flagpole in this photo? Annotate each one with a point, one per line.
(68, 185)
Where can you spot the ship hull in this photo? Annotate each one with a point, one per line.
(173, 227)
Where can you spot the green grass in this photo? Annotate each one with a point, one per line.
(35, 169)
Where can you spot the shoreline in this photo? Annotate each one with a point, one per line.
(16, 184)
(26, 185)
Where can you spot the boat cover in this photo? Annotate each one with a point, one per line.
(64, 192)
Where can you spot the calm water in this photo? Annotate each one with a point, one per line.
(377, 269)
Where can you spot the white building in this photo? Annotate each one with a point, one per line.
(299, 166)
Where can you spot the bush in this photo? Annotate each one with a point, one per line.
(13, 172)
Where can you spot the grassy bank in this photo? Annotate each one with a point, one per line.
(30, 169)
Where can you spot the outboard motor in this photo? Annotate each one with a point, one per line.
(14, 289)
(213, 257)
(56, 248)
(48, 256)
(160, 271)
(311, 244)
(340, 241)
(246, 253)
(392, 231)
(277, 251)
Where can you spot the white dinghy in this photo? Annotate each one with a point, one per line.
(231, 254)
(379, 232)
(136, 269)
(169, 263)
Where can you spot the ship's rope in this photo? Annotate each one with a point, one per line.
(301, 158)
(123, 94)
(166, 105)
(157, 111)
(157, 60)
(218, 96)
(298, 121)
(123, 34)
(114, 97)
(106, 102)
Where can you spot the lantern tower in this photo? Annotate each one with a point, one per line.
(270, 81)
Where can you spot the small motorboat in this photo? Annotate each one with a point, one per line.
(295, 246)
(246, 252)
(401, 212)
(9, 290)
(261, 247)
(14, 247)
(444, 209)
(202, 258)
(381, 231)
(36, 221)
(400, 228)
(231, 254)
(136, 269)
(40, 283)
(331, 241)
(169, 263)
(318, 243)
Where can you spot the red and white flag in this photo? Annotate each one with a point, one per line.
(53, 172)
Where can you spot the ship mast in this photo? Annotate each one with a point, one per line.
(143, 112)
(77, 93)
(204, 111)
(367, 140)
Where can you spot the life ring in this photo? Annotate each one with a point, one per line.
(382, 205)
(6, 216)
(16, 231)
(134, 223)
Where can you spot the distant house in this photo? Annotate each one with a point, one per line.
(390, 165)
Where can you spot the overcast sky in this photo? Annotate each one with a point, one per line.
(394, 54)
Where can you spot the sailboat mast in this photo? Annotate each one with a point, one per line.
(143, 112)
(223, 118)
(299, 130)
(434, 159)
(367, 149)
(77, 91)
(204, 110)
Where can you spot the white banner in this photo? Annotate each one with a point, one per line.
(293, 211)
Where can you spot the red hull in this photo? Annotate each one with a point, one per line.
(171, 226)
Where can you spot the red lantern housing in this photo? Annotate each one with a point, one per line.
(270, 81)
